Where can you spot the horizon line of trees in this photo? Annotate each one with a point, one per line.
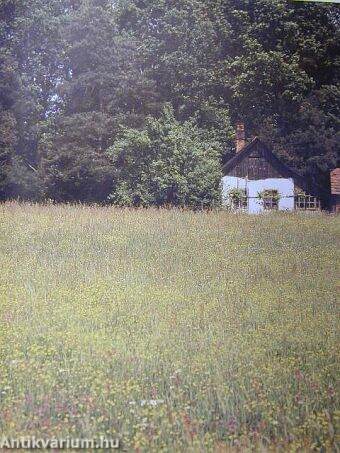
(134, 102)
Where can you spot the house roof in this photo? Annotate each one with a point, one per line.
(277, 163)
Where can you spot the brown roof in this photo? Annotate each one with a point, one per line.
(275, 161)
(335, 181)
(282, 168)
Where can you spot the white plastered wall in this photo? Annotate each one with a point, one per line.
(284, 186)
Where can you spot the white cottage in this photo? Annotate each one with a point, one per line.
(255, 180)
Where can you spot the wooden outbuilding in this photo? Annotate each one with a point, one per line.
(335, 190)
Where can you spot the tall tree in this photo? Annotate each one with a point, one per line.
(284, 64)
(33, 46)
(180, 46)
(76, 73)
(72, 148)
(258, 61)
(9, 85)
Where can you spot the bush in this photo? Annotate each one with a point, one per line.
(167, 162)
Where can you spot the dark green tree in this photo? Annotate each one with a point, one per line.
(258, 61)
(76, 73)
(9, 85)
(72, 148)
(31, 38)
(103, 90)
(180, 45)
(73, 163)
(282, 78)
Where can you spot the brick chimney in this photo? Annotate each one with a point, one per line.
(240, 137)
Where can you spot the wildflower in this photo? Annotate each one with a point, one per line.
(298, 398)
(331, 391)
(298, 375)
(314, 385)
(232, 425)
(290, 438)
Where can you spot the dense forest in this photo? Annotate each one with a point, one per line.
(134, 102)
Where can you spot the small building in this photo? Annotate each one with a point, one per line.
(335, 190)
(255, 180)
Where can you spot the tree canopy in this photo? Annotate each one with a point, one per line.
(134, 102)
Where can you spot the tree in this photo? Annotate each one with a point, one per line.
(226, 60)
(8, 95)
(180, 48)
(279, 74)
(101, 67)
(72, 148)
(73, 164)
(30, 43)
(166, 163)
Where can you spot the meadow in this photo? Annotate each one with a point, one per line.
(173, 330)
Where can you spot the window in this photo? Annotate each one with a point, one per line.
(270, 200)
(238, 199)
(305, 202)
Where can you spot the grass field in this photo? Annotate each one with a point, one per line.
(169, 329)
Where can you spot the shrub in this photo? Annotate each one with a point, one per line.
(167, 162)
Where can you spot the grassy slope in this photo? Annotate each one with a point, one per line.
(170, 328)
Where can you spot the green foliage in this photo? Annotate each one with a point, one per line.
(7, 142)
(73, 166)
(73, 163)
(167, 162)
(237, 194)
(284, 66)
(25, 182)
(272, 63)
(181, 49)
(30, 68)
(269, 194)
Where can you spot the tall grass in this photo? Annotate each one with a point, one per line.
(176, 330)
